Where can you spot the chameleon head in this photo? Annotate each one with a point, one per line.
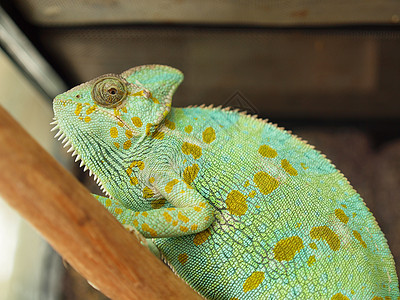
(106, 120)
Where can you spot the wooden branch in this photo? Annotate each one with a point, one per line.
(76, 225)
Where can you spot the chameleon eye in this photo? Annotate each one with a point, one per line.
(109, 91)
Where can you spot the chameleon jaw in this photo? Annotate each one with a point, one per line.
(60, 135)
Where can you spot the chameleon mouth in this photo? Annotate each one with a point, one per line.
(61, 136)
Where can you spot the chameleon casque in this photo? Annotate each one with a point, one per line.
(239, 208)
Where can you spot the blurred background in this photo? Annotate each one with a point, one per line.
(328, 71)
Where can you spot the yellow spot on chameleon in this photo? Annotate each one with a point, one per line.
(129, 171)
(148, 127)
(265, 182)
(247, 183)
(311, 260)
(287, 248)
(183, 228)
(127, 144)
(135, 223)
(140, 93)
(192, 149)
(116, 145)
(158, 203)
(190, 173)
(339, 213)
(174, 222)
(129, 134)
(267, 151)
(148, 229)
(145, 214)
(189, 128)
(182, 258)
(313, 246)
(201, 237)
(108, 203)
(124, 109)
(170, 185)
(288, 167)
(91, 109)
(198, 209)
(339, 296)
(157, 135)
(137, 163)
(194, 227)
(87, 119)
(118, 211)
(151, 179)
(253, 281)
(169, 124)
(252, 194)
(155, 100)
(117, 112)
(120, 124)
(114, 132)
(182, 217)
(147, 192)
(78, 109)
(326, 234)
(236, 203)
(137, 122)
(357, 235)
(208, 135)
(167, 217)
(303, 166)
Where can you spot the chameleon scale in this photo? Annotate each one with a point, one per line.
(239, 208)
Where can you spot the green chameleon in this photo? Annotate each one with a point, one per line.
(237, 207)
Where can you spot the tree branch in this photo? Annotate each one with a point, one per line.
(76, 225)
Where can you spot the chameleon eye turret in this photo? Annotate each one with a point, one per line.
(109, 91)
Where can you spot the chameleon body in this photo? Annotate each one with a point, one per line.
(239, 208)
